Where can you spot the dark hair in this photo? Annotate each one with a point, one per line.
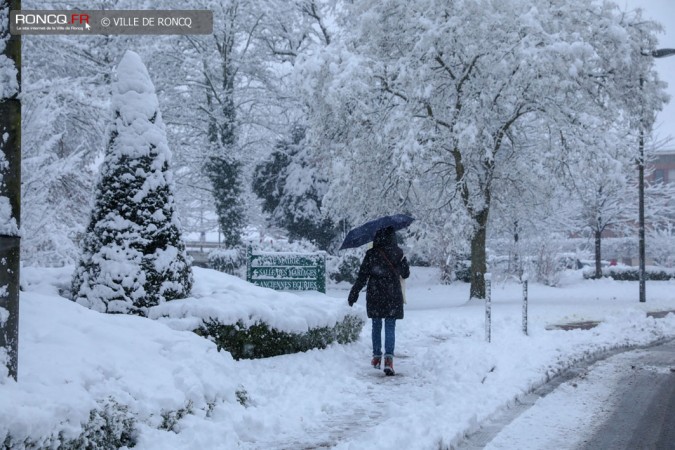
(385, 237)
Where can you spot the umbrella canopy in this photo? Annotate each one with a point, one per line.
(366, 232)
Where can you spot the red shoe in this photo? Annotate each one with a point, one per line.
(376, 362)
(389, 365)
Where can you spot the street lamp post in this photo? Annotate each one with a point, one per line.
(658, 53)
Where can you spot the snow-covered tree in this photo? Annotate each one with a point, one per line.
(133, 256)
(220, 105)
(56, 168)
(225, 173)
(425, 99)
(292, 191)
(10, 192)
(599, 173)
(66, 104)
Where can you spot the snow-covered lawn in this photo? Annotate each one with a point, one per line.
(449, 379)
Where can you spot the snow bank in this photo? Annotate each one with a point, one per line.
(228, 300)
(449, 380)
(72, 359)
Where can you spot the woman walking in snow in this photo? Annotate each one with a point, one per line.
(382, 269)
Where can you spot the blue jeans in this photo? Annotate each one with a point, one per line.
(389, 337)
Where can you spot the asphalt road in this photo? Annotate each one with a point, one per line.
(645, 415)
(624, 400)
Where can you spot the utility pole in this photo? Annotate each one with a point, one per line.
(658, 53)
(641, 210)
(10, 196)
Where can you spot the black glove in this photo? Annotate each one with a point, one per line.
(353, 297)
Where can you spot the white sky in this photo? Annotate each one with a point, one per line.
(662, 11)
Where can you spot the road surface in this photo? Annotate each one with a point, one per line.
(626, 401)
(645, 415)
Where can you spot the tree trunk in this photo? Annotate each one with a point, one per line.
(598, 250)
(478, 256)
(10, 188)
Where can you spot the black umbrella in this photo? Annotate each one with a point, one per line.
(366, 232)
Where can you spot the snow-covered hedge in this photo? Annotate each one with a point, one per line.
(629, 273)
(92, 380)
(261, 341)
(110, 425)
(253, 322)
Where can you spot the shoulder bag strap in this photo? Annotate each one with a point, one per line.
(384, 255)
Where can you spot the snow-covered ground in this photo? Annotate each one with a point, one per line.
(449, 379)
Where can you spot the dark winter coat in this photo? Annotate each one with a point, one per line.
(381, 270)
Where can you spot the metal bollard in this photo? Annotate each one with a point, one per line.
(488, 306)
(525, 306)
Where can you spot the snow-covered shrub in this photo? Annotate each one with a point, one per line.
(345, 268)
(547, 267)
(132, 253)
(110, 425)
(461, 270)
(661, 244)
(629, 273)
(227, 260)
(171, 418)
(261, 340)
(254, 322)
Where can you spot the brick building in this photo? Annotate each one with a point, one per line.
(663, 166)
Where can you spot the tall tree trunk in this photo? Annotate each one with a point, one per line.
(598, 250)
(478, 256)
(10, 188)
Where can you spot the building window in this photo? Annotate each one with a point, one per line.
(659, 175)
(671, 176)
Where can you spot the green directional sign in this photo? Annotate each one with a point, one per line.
(287, 271)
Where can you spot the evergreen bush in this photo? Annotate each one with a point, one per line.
(132, 253)
(110, 426)
(261, 341)
(633, 274)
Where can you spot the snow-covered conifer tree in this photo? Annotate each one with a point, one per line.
(292, 189)
(133, 256)
(225, 174)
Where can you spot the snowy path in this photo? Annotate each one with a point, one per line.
(449, 382)
(354, 404)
